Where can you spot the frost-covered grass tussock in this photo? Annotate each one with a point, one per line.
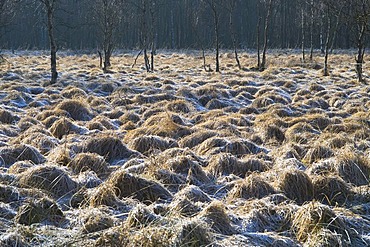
(183, 157)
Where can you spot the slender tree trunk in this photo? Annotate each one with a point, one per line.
(335, 30)
(108, 48)
(153, 37)
(265, 38)
(361, 52)
(231, 24)
(322, 49)
(144, 35)
(204, 60)
(100, 59)
(258, 42)
(303, 38)
(217, 39)
(53, 46)
(172, 30)
(152, 59)
(107, 56)
(137, 56)
(326, 70)
(146, 61)
(311, 30)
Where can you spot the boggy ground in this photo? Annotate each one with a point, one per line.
(182, 157)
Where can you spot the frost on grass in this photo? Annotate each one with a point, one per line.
(183, 157)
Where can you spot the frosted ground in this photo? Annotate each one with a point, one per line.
(182, 157)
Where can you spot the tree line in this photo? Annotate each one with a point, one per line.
(146, 25)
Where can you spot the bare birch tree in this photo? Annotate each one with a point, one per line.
(267, 6)
(214, 6)
(50, 6)
(230, 7)
(108, 15)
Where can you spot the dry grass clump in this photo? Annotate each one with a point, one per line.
(60, 155)
(8, 194)
(280, 110)
(38, 211)
(318, 121)
(345, 128)
(205, 116)
(235, 146)
(169, 179)
(149, 143)
(274, 133)
(6, 214)
(266, 215)
(49, 121)
(151, 236)
(7, 131)
(114, 114)
(42, 116)
(193, 193)
(77, 109)
(49, 178)
(323, 167)
(301, 133)
(226, 164)
(129, 117)
(89, 162)
(216, 104)
(297, 186)
(193, 233)
(61, 127)
(96, 220)
(222, 125)
(161, 124)
(313, 218)
(215, 215)
(184, 207)
(103, 195)
(179, 106)
(316, 102)
(354, 168)
(7, 117)
(140, 217)
(323, 238)
(27, 122)
(95, 126)
(128, 126)
(238, 120)
(249, 110)
(13, 239)
(109, 147)
(98, 103)
(144, 190)
(104, 121)
(43, 142)
(153, 98)
(269, 118)
(262, 102)
(20, 166)
(338, 141)
(185, 165)
(19, 152)
(253, 186)
(316, 153)
(331, 189)
(196, 138)
(71, 92)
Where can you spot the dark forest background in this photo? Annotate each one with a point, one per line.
(177, 24)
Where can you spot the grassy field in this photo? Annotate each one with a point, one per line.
(183, 157)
